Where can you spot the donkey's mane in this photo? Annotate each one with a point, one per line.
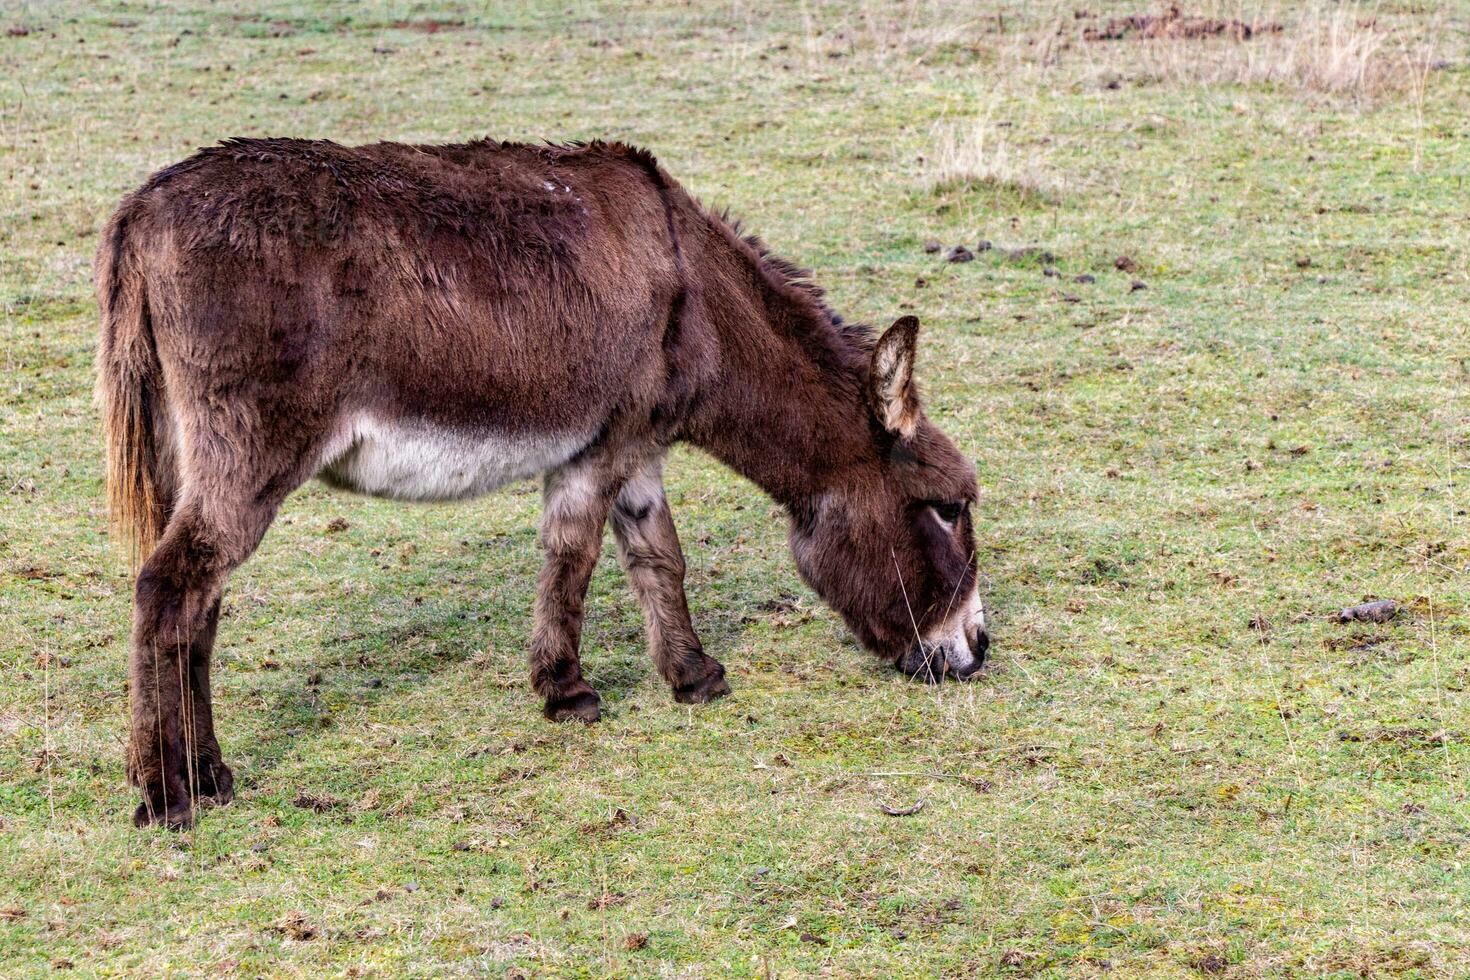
(796, 279)
(852, 341)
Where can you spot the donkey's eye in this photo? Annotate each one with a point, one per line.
(948, 512)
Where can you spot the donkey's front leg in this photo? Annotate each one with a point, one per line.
(577, 499)
(648, 546)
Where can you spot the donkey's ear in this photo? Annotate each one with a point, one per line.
(894, 397)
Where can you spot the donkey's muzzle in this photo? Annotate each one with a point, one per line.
(933, 662)
(979, 644)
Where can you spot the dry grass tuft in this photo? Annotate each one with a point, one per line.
(976, 154)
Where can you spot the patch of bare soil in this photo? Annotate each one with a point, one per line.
(427, 26)
(1173, 24)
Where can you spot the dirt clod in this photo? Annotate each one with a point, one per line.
(932, 245)
(1124, 264)
(337, 525)
(295, 926)
(1086, 279)
(1378, 611)
(1137, 285)
(960, 254)
(315, 802)
(1028, 252)
(635, 940)
(1173, 24)
(1210, 963)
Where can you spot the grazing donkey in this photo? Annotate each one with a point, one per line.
(431, 322)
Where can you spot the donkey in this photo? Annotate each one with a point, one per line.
(432, 322)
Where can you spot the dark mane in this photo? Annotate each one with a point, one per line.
(798, 279)
(784, 276)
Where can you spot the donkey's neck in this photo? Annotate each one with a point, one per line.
(786, 408)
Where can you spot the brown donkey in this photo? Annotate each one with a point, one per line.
(431, 322)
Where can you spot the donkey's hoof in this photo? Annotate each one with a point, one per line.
(706, 689)
(584, 707)
(179, 816)
(216, 784)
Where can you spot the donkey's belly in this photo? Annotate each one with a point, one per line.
(413, 460)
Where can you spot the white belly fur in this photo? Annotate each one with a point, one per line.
(412, 460)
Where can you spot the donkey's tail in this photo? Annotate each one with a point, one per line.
(130, 397)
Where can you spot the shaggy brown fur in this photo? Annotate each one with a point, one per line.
(426, 321)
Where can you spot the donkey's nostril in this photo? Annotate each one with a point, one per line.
(979, 645)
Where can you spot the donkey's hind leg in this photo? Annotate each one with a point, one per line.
(648, 546)
(173, 756)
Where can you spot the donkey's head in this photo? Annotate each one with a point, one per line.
(892, 547)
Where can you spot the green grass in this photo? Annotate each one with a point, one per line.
(1142, 782)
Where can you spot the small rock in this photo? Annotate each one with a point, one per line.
(983, 245)
(1071, 298)
(374, 682)
(1051, 272)
(411, 886)
(1304, 262)
(1086, 279)
(1124, 264)
(960, 254)
(1379, 611)
(932, 245)
(1136, 285)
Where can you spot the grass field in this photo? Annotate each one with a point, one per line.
(1176, 765)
